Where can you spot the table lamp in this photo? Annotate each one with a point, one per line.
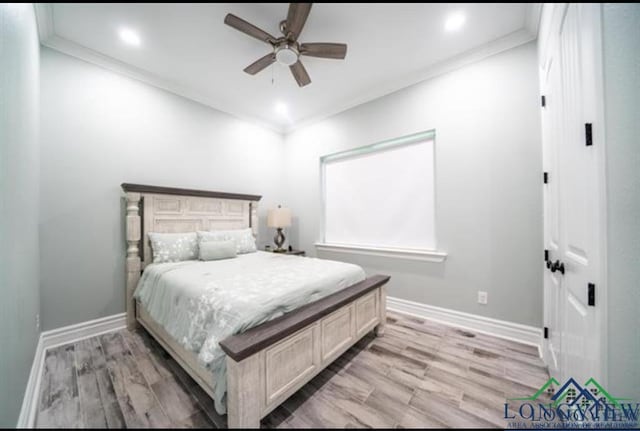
(279, 218)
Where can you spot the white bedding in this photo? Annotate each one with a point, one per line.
(201, 303)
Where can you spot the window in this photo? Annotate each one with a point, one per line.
(380, 199)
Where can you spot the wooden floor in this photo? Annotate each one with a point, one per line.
(420, 374)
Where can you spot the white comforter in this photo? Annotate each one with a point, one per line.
(202, 303)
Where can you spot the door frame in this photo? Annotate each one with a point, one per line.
(599, 142)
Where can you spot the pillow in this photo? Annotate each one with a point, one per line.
(173, 247)
(216, 250)
(245, 242)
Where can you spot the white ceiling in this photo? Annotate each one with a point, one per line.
(187, 49)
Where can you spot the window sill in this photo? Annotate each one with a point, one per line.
(400, 253)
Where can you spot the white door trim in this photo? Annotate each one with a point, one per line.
(599, 143)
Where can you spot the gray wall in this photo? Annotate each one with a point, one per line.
(488, 184)
(621, 29)
(100, 129)
(19, 286)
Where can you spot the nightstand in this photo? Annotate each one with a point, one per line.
(295, 252)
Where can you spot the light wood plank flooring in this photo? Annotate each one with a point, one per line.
(420, 374)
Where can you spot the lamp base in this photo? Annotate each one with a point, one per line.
(279, 240)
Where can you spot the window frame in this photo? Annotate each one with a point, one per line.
(430, 255)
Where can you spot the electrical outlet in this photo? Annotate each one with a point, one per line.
(483, 297)
(37, 321)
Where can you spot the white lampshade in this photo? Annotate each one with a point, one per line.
(279, 217)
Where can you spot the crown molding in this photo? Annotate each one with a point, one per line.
(48, 38)
(88, 55)
(512, 40)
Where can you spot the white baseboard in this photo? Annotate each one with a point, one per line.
(498, 328)
(80, 331)
(30, 400)
(54, 338)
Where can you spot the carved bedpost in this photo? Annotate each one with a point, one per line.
(133, 255)
(253, 213)
(383, 312)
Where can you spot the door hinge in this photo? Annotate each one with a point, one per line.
(543, 101)
(545, 177)
(591, 294)
(546, 332)
(546, 255)
(588, 135)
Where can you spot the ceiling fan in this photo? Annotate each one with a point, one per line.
(286, 49)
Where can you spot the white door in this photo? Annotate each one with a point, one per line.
(571, 198)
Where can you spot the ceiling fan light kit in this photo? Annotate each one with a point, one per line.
(286, 49)
(286, 54)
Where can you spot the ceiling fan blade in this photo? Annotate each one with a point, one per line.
(260, 64)
(247, 28)
(300, 74)
(324, 50)
(297, 16)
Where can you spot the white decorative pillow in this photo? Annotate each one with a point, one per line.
(174, 247)
(245, 242)
(216, 250)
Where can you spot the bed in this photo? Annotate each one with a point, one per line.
(290, 316)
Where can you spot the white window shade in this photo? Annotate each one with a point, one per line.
(381, 196)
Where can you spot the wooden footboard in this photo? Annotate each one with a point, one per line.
(268, 363)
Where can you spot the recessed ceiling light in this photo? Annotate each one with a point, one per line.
(129, 37)
(455, 21)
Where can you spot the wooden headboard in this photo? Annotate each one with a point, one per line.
(175, 210)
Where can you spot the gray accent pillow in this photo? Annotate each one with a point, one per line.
(174, 247)
(216, 250)
(245, 242)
